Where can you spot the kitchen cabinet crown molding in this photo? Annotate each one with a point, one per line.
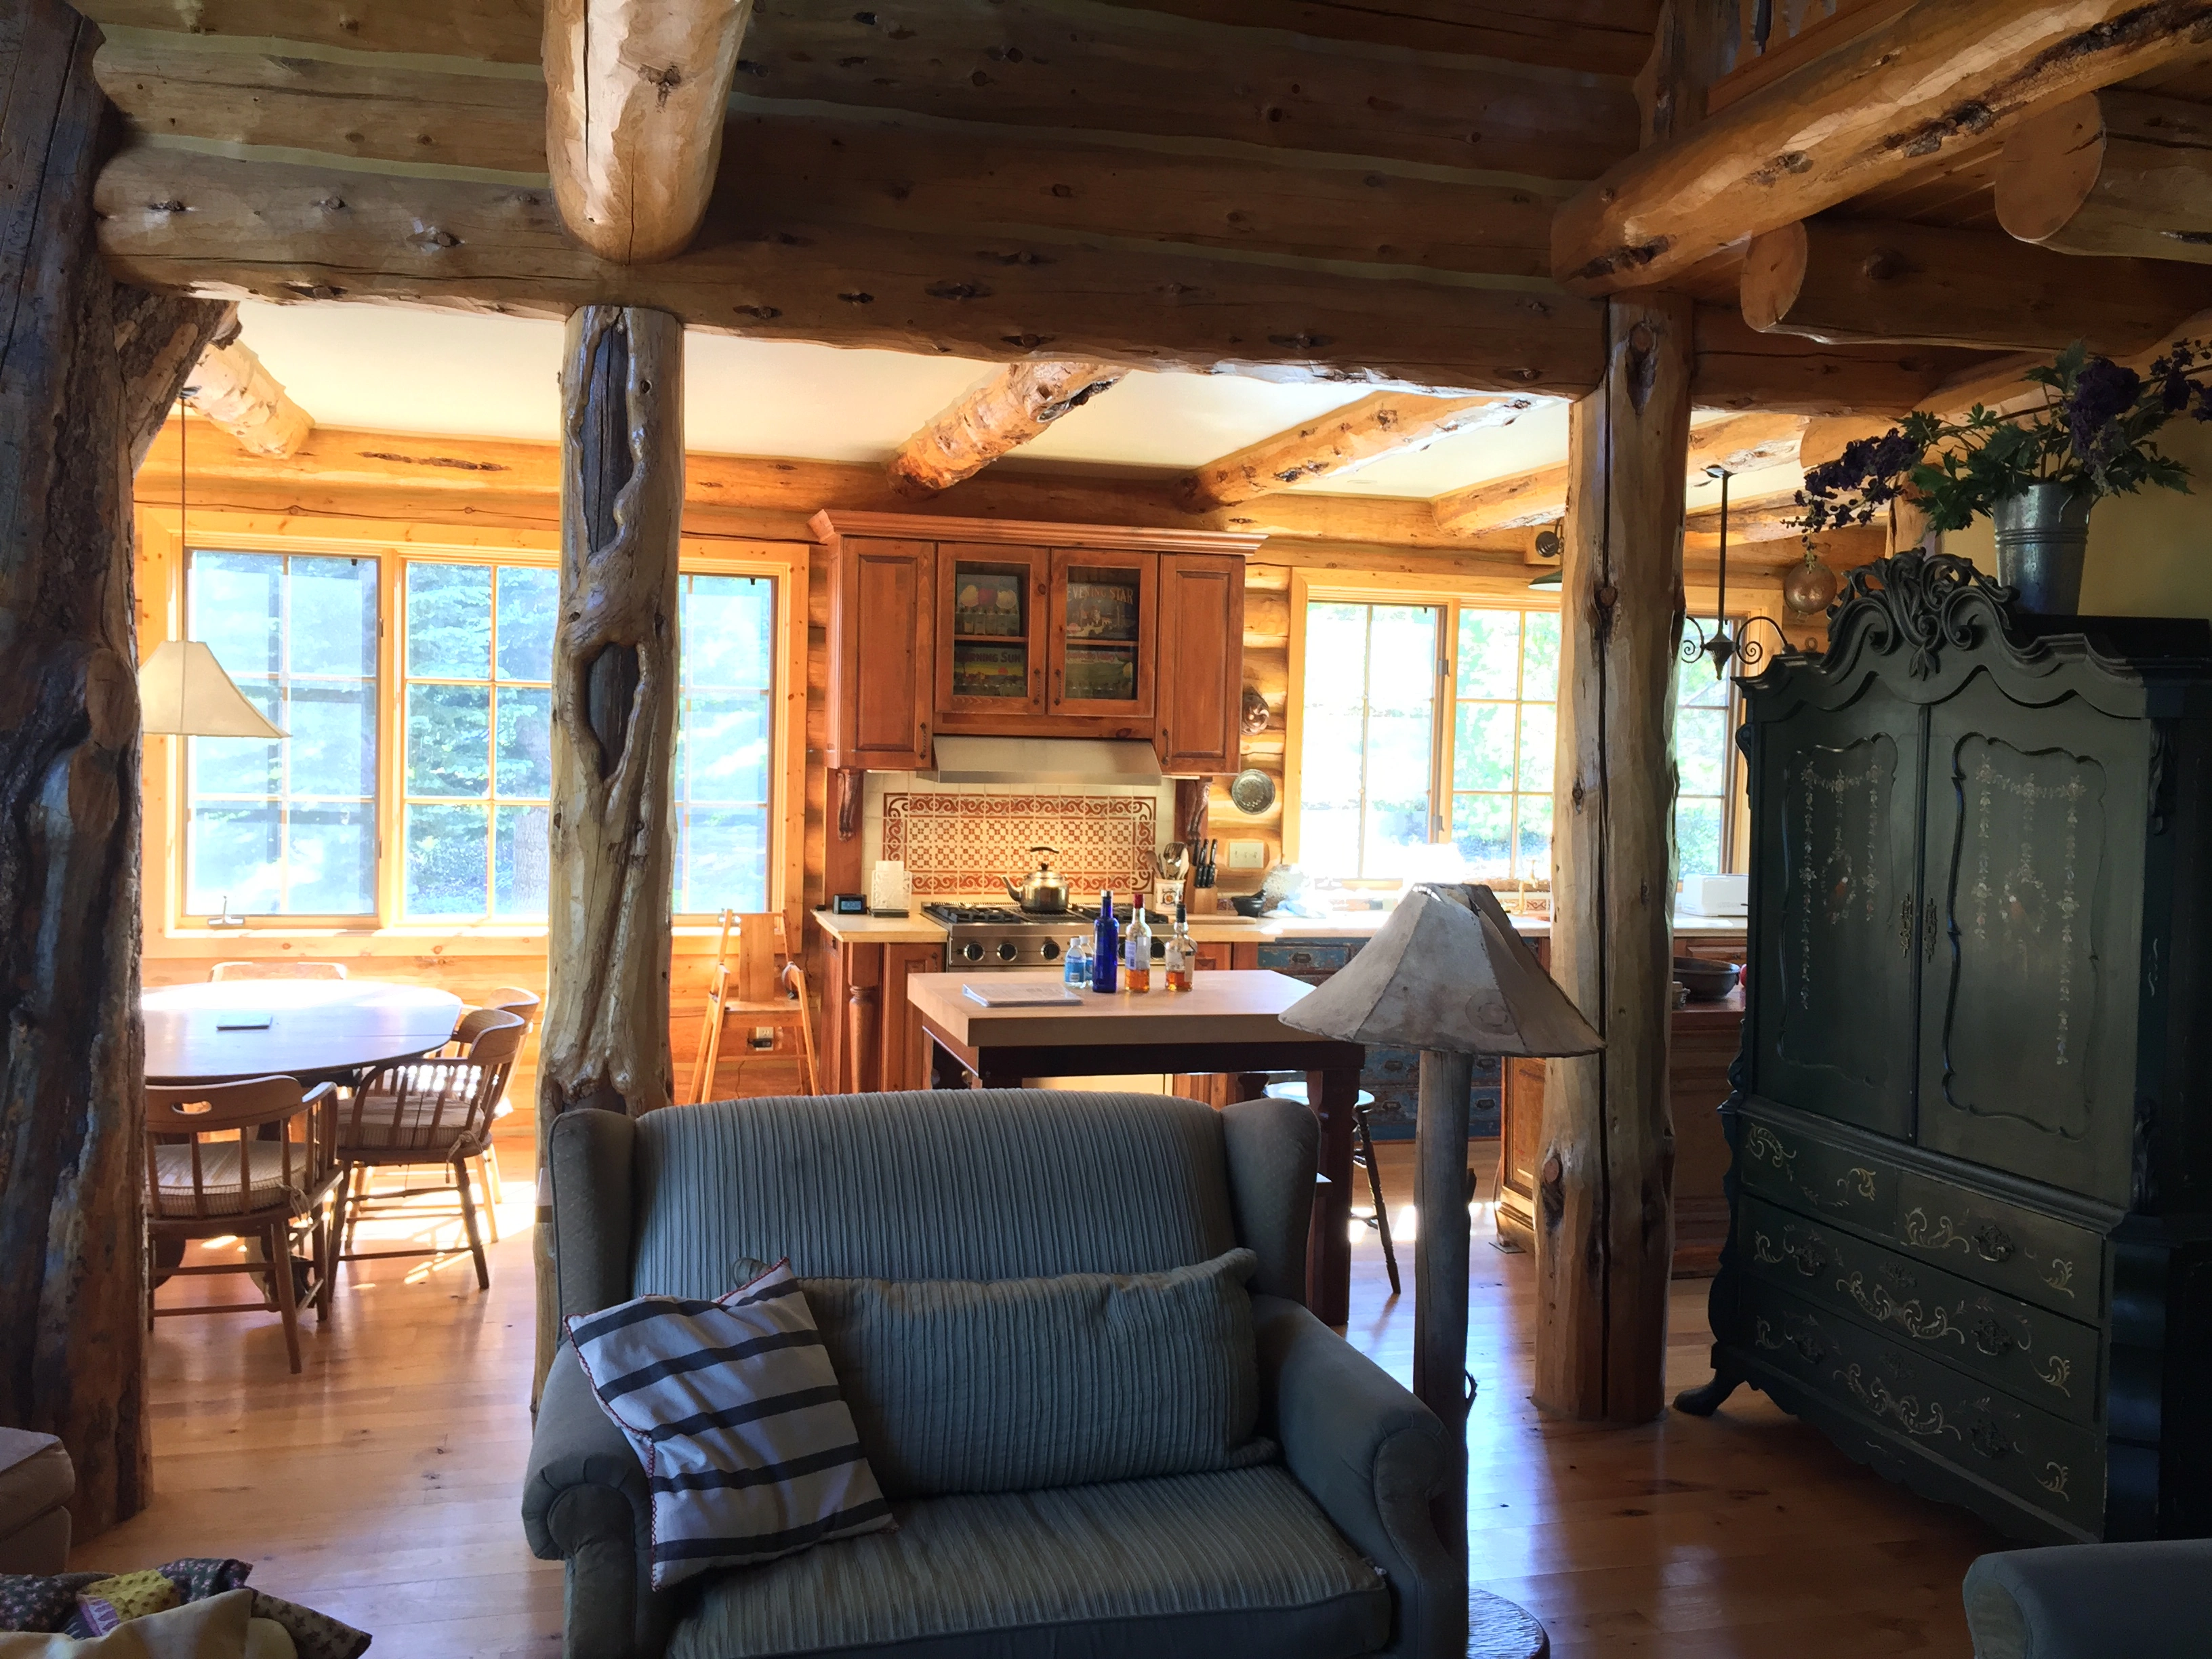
(828, 525)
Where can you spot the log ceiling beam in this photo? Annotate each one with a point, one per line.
(1849, 281)
(1742, 443)
(635, 91)
(1604, 37)
(2113, 172)
(1384, 424)
(1942, 73)
(1012, 406)
(1767, 518)
(230, 386)
(178, 220)
(1039, 64)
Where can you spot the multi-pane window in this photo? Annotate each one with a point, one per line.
(287, 828)
(451, 824)
(1503, 728)
(1370, 720)
(479, 739)
(724, 741)
(1704, 760)
(1378, 729)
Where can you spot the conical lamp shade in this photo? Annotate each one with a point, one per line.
(1447, 972)
(183, 692)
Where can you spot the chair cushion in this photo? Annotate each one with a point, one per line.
(1011, 1386)
(173, 1178)
(420, 1119)
(748, 1450)
(35, 1474)
(1197, 1566)
(977, 1184)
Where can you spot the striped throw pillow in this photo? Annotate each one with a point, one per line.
(732, 1408)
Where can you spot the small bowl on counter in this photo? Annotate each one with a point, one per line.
(1254, 905)
(1706, 981)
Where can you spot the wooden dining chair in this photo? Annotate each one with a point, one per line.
(276, 969)
(425, 1114)
(258, 1160)
(523, 1005)
(757, 990)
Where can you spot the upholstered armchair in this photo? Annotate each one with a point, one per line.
(1330, 1551)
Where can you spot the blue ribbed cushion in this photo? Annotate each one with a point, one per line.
(1223, 1565)
(959, 1387)
(974, 1184)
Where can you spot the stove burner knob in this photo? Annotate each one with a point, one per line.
(1051, 951)
(972, 952)
(1008, 951)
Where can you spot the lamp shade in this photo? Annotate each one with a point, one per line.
(1447, 972)
(183, 692)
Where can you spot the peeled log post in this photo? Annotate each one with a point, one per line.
(1853, 281)
(605, 1046)
(2113, 172)
(91, 369)
(1014, 405)
(1606, 1154)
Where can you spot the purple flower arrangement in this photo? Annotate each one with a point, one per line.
(2092, 433)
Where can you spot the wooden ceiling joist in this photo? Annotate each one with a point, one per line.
(2114, 172)
(1384, 424)
(1859, 281)
(1014, 405)
(234, 391)
(1742, 443)
(1942, 73)
(635, 91)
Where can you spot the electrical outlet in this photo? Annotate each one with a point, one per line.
(1247, 854)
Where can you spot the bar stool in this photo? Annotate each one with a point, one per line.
(1363, 1154)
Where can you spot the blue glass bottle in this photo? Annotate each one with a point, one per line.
(1105, 947)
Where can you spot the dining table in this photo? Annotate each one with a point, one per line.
(319, 1030)
(1229, 1020)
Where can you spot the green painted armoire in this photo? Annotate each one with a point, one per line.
(1971, 1233)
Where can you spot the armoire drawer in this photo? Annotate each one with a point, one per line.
(1804, 1172)
(2037, 1257)
(2053, 1464)
(2037, 1356)
(2006, 1246)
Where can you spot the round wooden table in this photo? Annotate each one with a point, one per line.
(318, 1029)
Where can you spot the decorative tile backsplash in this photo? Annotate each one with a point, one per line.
(957, 846)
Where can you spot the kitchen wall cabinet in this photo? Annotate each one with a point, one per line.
(1201, 662)
(1021, 630)
(883, 680)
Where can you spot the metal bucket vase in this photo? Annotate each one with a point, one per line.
(2043, 537)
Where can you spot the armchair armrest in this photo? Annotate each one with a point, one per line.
(585, 1500)
(1373, 1457)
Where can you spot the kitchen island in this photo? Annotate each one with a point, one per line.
(1226, 1022)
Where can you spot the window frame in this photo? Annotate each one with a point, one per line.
(1478, 594)
(161, 617)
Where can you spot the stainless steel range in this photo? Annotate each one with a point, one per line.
(997, 938)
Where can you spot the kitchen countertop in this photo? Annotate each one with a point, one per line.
(918, 929)
(1219, 1008)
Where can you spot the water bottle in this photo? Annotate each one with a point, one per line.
(1075, 969)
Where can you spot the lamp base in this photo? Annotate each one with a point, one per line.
(1497, 1628)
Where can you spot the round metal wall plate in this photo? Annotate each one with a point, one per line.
(1252, 793)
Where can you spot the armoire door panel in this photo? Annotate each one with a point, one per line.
(1834, 951)
(2036, 825)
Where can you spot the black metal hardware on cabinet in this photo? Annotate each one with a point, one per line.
(1956, 1168)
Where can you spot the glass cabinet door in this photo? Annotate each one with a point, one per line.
(2036, 824)
(991, 603)
(1102, 624)
(1835, 952)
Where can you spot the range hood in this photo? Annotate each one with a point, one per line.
(1054, 761)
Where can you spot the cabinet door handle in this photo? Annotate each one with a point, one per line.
(1905, 927)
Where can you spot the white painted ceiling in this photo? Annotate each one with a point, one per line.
(395, 369)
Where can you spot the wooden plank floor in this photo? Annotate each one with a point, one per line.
(382, 1484)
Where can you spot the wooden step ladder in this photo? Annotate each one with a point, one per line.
(758, 990)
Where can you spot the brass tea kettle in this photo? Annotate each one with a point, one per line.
(1043, 890)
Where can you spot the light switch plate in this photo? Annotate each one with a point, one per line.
(1247, 854)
